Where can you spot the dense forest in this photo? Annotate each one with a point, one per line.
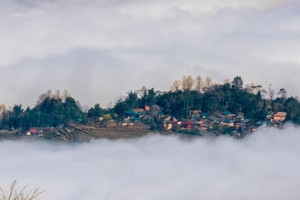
(196, 94)
(185, 95)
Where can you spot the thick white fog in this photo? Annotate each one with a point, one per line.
(264, 166)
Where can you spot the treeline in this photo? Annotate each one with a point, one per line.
(52, 110)
(185, 95)
(190, 94)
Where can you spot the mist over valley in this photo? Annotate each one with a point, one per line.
(263, 165)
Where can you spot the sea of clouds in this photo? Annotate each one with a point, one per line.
(264, 165)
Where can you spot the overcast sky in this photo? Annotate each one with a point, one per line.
(100, 49)
(262, 166)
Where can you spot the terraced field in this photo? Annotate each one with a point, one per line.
(79, 133)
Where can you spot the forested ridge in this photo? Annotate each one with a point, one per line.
(184, 97)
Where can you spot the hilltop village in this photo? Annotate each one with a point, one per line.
(192, 107)
(202, 123)
(135, 124)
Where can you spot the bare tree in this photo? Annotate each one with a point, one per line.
(199, 83)
(42, 97)
(13, 193)
(208, 82)
(176, 85)
(65, 95)
(56, 94)
(2, 110)
(253, 88)
(142, 92)
(187, 83)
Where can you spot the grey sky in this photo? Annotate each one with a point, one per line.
(262, 166)
(99, 50)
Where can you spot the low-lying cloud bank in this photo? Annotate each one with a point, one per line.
(264, 165)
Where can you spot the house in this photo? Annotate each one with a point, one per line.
(147, 108)
(216, 120)
(280, 116)
(169, 122)
(228, 114)
(35, 131)
(138, 111)
(204, 126)
(127, 122)
(247, 122)
(239, 125)
(200, 122)
(187, 125)
(135, 114)
(227, 122)
(240, 117)
(168, 125)
(204, 115)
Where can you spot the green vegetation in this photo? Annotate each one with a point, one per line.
(51, 110)
(186, 96)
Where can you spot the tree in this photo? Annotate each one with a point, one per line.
(42, 97)
(176, 85)
(95, 112)
(147, 97)
(2, 109)
(283, 93)
(264, 93)
(187, 83)
(237, 83)
(131, 99)
(15, 119)
(271, 92)
(72, 110)
(120, 108)
(252, 88)
(199, 83)
(208, 82)
(107, 117)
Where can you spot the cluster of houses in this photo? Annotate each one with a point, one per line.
(203, 122)
(198, 121)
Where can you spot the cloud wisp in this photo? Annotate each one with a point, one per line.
(262, 166)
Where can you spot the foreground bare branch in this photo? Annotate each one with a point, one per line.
(13, 193)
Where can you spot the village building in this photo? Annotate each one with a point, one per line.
(36, 131)
(280, 116)
(227, 122)
(169, 122)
